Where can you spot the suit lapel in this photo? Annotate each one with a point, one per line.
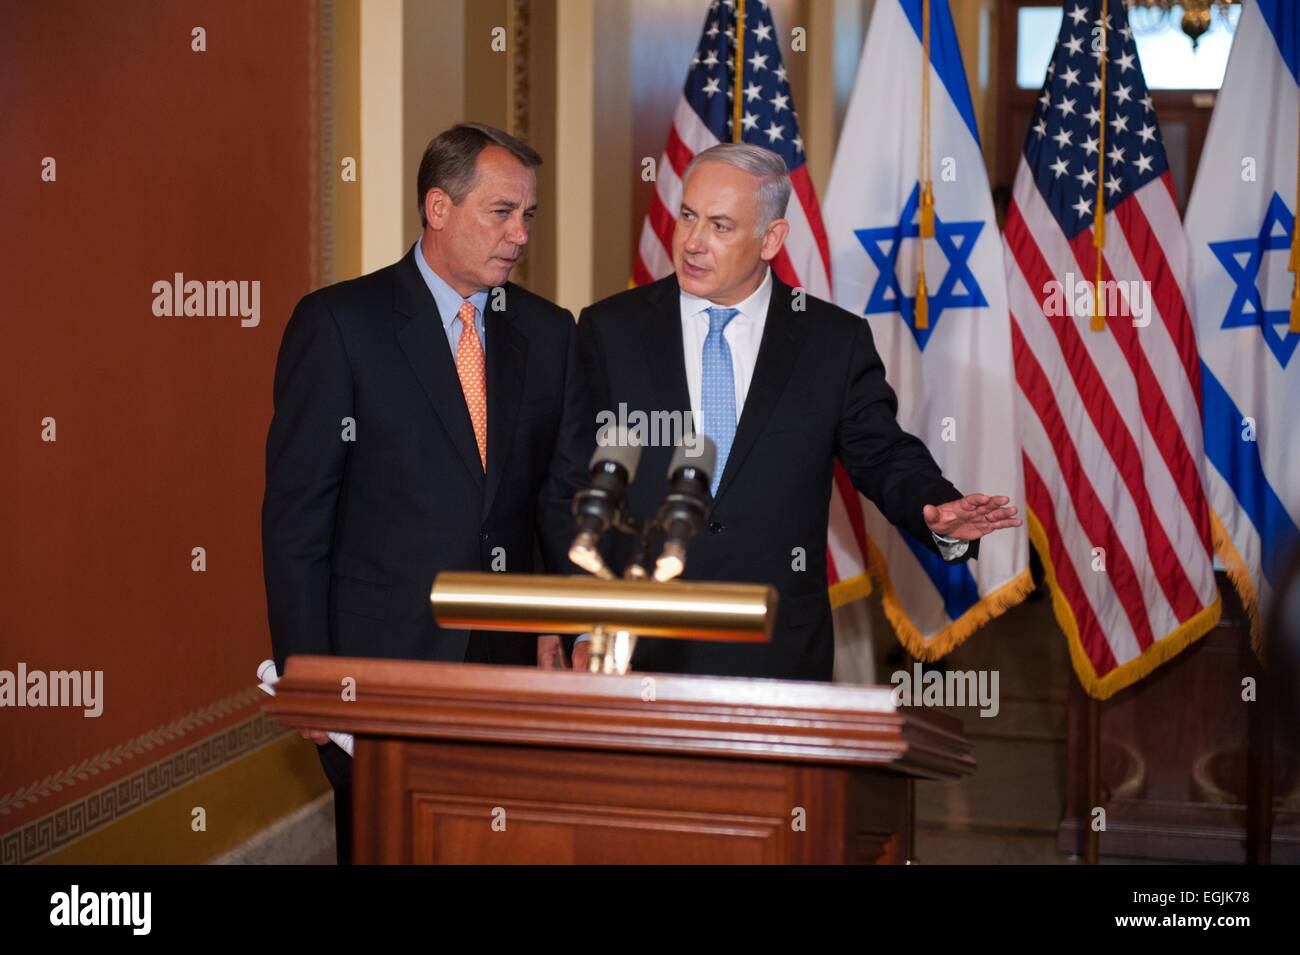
(661, 337)
(424, 343)
(507, 355)
(777, 352)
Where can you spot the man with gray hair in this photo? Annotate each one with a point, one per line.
(784, 384)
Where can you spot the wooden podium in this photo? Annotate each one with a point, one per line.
(458, 763)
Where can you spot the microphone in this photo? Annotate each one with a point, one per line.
(600, 504)
(685, 506)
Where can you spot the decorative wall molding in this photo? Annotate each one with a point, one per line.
(68, 823)
(324, 169)
(520, 82)
(518, 52)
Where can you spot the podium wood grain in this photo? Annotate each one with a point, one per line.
(457, 763)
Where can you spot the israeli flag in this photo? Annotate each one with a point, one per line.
(1240, 227)
(951, 369)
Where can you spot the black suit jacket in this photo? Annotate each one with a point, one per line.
(818, 393)
(353, 532)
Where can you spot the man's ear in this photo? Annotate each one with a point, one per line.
(437, 204)
(774, 238)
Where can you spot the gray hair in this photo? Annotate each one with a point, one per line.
(450, 161)
(764, 165)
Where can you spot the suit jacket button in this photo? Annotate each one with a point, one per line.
(716, 527)
(483, 536)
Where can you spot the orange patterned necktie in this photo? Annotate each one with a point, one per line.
(469, 365)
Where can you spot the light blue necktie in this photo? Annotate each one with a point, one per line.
(718, 389)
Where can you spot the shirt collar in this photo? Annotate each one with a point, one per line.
(445, 297)
(753, 308)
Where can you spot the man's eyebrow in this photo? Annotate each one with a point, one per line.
(510, 204)
(722, 218)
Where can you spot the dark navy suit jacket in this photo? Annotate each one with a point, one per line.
(818, 394)
(353, 532)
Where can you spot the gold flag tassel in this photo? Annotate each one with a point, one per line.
(922, 301)
(925, 216)
(1294, 265)
(1098, 323)
(927, 211)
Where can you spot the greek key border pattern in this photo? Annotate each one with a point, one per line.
(68, 823)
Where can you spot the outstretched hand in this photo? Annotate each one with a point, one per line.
(971, 517)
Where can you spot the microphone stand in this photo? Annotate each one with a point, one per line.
(612, 652)
(643, 530)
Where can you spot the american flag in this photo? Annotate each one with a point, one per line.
(1110, 419)
(704, 117)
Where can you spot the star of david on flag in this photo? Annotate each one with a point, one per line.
(1246, 310)
(950, 365)
(1240, 222)
(958, 288)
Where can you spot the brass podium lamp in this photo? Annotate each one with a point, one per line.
(615, 612)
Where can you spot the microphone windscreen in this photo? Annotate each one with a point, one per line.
(621, 452)
(704, 457)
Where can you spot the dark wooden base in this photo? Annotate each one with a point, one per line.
(1189, 770)
(436, 802)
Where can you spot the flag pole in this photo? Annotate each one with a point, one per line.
(925, 219)
(739, 77)
(1099, 220)
(1091, 835)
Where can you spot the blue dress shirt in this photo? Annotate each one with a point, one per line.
(449, 301)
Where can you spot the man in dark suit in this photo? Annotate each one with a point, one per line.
(784, 383)
(428, 417)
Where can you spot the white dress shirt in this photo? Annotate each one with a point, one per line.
(744, 334)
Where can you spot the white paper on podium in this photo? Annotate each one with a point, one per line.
(266, 673)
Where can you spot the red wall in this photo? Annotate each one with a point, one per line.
(168, 160)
